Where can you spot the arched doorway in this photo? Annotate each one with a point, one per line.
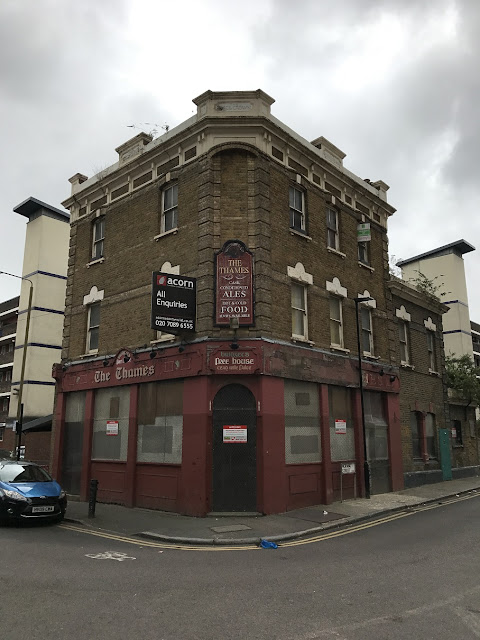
(234, 486)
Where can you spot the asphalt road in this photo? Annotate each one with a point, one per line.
(416, 577)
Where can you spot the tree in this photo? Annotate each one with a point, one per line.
(430, 286)
(463, 378)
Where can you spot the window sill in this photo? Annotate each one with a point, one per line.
(457, 446)
(434, 373)
(295, 232)
(335, 347)
(97, 261)
(89, 354)
(302, 340)
(370, 356)
(336, 252)
(405, 365)
(165, 233)
(165, 339)
(366, 266)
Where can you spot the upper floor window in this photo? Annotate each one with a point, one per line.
(169, 208)
(98, 238)
(332, 229)
(404, 342)
(297, 209)
(5, 404)
(93, 326)
(1, 376)
(432, 361)
(336, 321)
(8, 376)
(367, 332)
(10, 346)
(299, 311)
(364, 253)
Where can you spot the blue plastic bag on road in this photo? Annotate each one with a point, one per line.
(266, 544)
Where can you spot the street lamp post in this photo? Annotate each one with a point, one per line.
(24, 359)
(366, 468)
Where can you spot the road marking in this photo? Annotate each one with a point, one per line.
(469, 619)
(292, 543)
(110, 555)
(464, 614)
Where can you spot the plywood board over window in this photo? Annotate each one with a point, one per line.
(160, 422)
(302, 422)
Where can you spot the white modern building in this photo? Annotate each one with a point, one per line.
(446, 268)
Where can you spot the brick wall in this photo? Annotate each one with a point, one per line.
(235, 193)
(420, 390)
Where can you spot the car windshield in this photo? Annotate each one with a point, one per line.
(23, 473)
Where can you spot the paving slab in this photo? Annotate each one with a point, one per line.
(250, 529)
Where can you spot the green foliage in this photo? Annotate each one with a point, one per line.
(462, 378)
(430, 286)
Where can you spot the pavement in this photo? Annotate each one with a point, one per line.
(241, 529)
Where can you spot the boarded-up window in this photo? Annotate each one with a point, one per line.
(342, 436)
(376, 426)
(302, 422)
(160, 422)
(276, 153)
(111, 405)
(190, 153)
(116, 193)
(332, 189)
(146, 177)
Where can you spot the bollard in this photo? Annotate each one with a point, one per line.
(92, 500)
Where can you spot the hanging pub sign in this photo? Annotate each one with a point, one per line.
(174, 302)
(234, 285)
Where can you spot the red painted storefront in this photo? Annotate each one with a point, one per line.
(186, 487)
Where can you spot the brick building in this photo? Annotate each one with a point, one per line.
(147, 413)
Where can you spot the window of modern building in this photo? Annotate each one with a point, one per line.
(432, 361)
(404, 342)
(160, 422)
(332, 229)
(430, 435)
(169, 208)
(11, 346)
(5, 404)
(367, 330)
(457, 435)
(364, 252)
(112, 407)
(98, 238)
(302, 422)
(3, 350)
(1, 433)
(8, 375)
(93, 326)
(1, 376)
(342, 435)
(417, 435)
(336, 322)
(297, 209)
(299, 311)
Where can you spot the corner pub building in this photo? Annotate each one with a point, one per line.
(258, 407)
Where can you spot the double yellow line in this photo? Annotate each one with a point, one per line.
(292, 543)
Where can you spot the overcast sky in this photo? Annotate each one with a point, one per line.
(394, 83)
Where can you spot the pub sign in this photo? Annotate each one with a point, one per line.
(234, 285)
(174, 303)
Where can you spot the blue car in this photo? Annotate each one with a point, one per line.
(28, 492)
